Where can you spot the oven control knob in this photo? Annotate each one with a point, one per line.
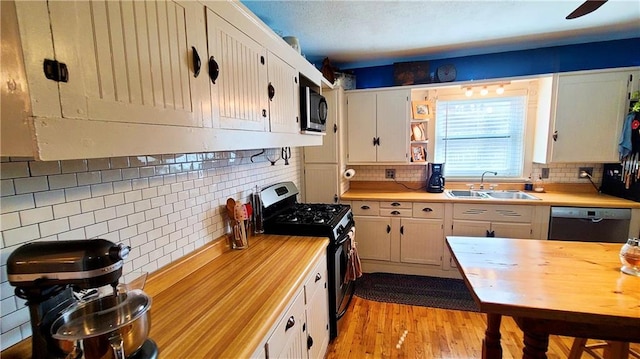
(340, 230)
(350, 215)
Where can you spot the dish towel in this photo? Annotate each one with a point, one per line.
(354, 269)
(624, 146)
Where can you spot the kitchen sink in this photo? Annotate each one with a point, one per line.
(491, 194)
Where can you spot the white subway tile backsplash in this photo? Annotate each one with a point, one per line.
(17, 203)
(66, 209)
(81, 220)
(72, 235)
(105, 214)
(114, 200)
(63, 181)
(36, 215)
(89, 178)
(122, 186)
(96, 230)
(117, 224)
(9, 221)
(119, 162)
(54, 227)
(92, 204)
(43, 168)
(129, 173)
(101, 190)
(77, 193)
(10, 170)
(73, 166)
(21, 235)
(112, 175)
(30, 184)
(7, 188)
(95, 164)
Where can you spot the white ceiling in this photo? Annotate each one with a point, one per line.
(356, 33)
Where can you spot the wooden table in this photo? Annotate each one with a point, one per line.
(566, 288)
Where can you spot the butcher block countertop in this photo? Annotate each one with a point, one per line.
(221, 303)
(574, 195)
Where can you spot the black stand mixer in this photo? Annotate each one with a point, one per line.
(45, 274)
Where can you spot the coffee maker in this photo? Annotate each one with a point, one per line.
(48, 274)
(435, 181)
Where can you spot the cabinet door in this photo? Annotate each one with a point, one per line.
(241, 86)
(373, 237)
(130, 61)
(470, 228)
(321, 183)
(284, 106)
(289, 340)
(589, 110)
(328, 152)
(318, 311)
(421, 241)
(512, 230)
(393, 125)
(361, 118)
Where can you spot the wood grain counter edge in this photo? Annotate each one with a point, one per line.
(245, 291)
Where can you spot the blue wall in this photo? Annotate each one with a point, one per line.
(589, 56)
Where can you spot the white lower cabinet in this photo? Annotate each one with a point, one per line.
(303, 330)
(402, 234)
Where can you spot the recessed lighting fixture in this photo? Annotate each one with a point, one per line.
(484, 91)
(500, 90)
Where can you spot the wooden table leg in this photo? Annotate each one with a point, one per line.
(616, 350)
(535, 345)
(491, 348)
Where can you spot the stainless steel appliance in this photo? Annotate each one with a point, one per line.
(435, 182)
(590, 224)
(46, 273)
(313, 110)
(284, 215)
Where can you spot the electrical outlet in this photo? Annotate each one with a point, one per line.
(390, 173)
(589, 170)
(545, 172)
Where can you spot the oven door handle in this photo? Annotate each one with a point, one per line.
(346, 237)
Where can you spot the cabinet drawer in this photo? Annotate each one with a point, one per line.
(289, 328)
(365, 208)
(428, 210)
(316, 280)
(395, 205)
(396, 212)
(501, 213)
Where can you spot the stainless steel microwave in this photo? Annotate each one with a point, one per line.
(313, 110)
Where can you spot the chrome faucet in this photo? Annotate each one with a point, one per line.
(482, 177)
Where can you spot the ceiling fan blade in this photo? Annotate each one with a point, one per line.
(586, 7)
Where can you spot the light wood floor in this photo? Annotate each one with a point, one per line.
(372, 330)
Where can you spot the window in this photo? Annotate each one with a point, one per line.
(477, 135)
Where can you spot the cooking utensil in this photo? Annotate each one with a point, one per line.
(240, 216)
(286, 154)
(249, 210)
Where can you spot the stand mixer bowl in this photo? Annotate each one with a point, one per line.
(110, 326)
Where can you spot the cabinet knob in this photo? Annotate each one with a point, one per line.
(309, 342)
(555, 136)
(318, 277)
(395, 213)
(214, 70)
(197, 64)
(290, 323)
(427, 209)
(271, 91)
(365, 207)
(395, 204)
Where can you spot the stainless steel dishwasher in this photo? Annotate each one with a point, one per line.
(590, 224)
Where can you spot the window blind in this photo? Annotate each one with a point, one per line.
(477, 135)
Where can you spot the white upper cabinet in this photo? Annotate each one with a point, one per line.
(580, 115)
(89, 79)
(378, 124)
(240, 86)
(130, 61)
(284, 96)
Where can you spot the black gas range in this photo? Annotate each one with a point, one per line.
(284, 215)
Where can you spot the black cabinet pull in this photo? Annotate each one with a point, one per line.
(388, 228)
(196, 62)
(335, 198)
(56, 71)
(309, 342)
(264, 113)
(491, 233)
(335, 128)
(318, 277)
(395, 213)
(214, 70)
(555, 136)
(402, 230)
(365, 207)
(395, 204)
(427, 209)
(290, 323)
(271, 91)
